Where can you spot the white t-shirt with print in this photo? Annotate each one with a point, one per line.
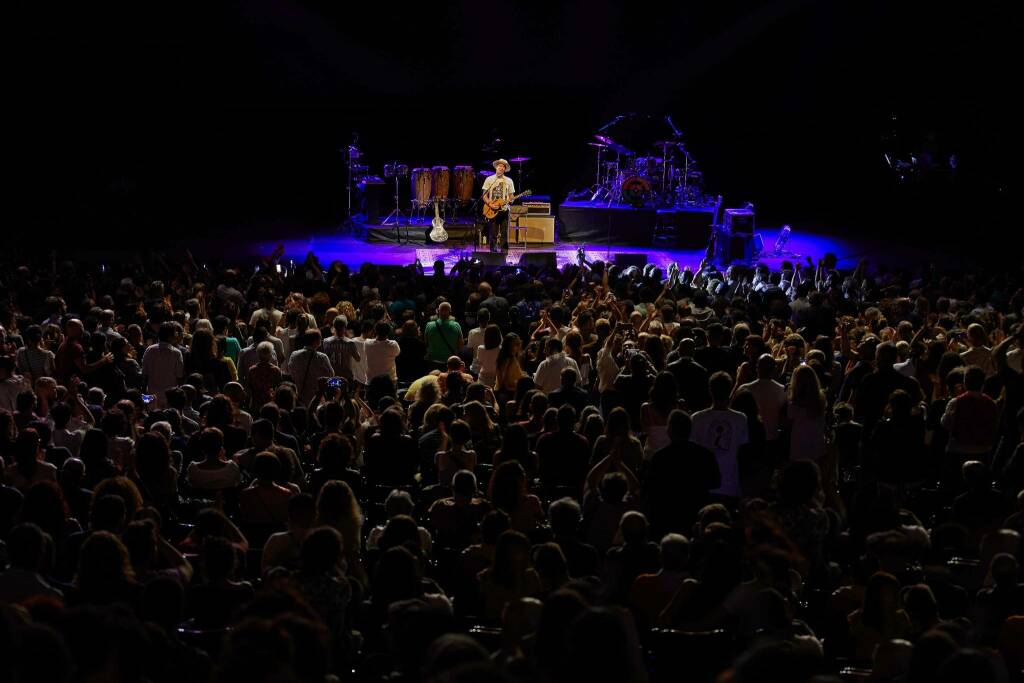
(722, 432)
(500, 189)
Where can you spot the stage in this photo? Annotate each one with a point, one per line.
(333, 245)
(616, 223)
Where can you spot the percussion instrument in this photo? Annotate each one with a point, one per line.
(519, 160)
(396, 170)
(440, 176)
(636, 190)
(614, 146)
(649, 167)
(421, 185)
(464, 180)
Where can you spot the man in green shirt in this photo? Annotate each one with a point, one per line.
(443, 335)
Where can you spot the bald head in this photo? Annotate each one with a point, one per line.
(687, 347)
(444, 310)
(765, 366)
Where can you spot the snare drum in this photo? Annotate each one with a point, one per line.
(440, 176)
(421, 183)
(465, 177)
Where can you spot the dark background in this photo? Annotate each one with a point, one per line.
(129, 118)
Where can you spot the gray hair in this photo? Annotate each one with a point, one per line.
(265, 351)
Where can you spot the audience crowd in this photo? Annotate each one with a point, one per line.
(217, 472)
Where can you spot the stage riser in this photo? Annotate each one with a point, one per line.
(600, 224)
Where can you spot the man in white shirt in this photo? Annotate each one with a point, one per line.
(340, 350)
(498, 188)
(308, 365)
(549, 372)
(359, 373)
(381, 353)
(769, 395)
(162, 363)
(979, 354)
(268, 312)
(722, 431)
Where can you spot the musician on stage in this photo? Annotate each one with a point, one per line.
(498, 187)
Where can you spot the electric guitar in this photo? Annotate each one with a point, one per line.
(493, 206)
(437, 231)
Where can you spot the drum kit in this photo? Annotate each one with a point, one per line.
(668, 177)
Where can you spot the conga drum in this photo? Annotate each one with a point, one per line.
(441, 176)
(465, 176)
(421, 183)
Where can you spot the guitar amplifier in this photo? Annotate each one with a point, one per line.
(538, 230)
(537, 207)
(739, 221)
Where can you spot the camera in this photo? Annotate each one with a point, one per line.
(148, 398)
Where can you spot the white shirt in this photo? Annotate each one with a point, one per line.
(770, 397)
(502, 188)
(226, 477)
(9, 390)
(1014, 358)
(607, 369)
(35, 363)
(980, 356)
(475, 339)
(487, 362)
(163, 366)
(549, 372)
(307, 367)
(380, 358)
(359, 367)
(722, 432)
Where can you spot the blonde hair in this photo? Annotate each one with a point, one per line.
(805, 391)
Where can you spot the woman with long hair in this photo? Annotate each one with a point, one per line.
(510, 577)
(663, 399)
(805, 413)
(202, 358)
(105, 575)
(486, 434)
(618, 440)
(516, 446)
(880, 618)
(573, 344)
(508, 493)
(487, 354)
(154, 474)
(507, 368)
(337, 507)
(28, 468)
(94, 453)
(518, 407)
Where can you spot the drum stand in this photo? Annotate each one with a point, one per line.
(397, 214)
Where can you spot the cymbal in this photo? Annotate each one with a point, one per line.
(519, 160)
(598, 144)
(614, 146)
(668, 143)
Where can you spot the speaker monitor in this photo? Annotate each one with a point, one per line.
(626, 260)
(541, 259)
(488, 258)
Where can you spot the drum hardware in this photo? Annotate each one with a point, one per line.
(520, 161)
(395, 171)
(352, 155)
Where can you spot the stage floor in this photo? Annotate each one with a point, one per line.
(331, 245)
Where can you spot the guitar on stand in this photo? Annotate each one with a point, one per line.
(437, 231)
(493, 206)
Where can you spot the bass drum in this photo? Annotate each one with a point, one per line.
(465, 176)
(421, 184)
(440, 176)
(636, 190)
